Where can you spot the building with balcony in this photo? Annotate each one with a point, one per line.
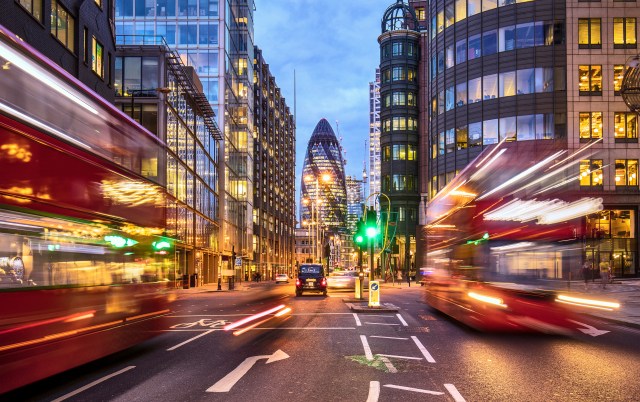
(165, 96)
(215, 37)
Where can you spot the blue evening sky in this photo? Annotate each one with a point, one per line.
(333, 47)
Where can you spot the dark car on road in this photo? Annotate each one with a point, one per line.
(311, 278)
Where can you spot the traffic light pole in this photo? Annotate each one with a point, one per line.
(361, 273)
(371, 241)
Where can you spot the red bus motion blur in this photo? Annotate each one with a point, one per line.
(81, 203)
(503, 239)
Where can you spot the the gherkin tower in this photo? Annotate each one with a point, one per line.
(323, 187)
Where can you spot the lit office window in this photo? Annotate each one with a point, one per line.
(461, 94)
(450, 140)
(626, 172)
(397, 49)
(590, 79)
(449, 17)
(591, 172)
(590, 125)
(63, 25)
(440, 21)
(399, 74)
(34, 7)
(624, 33)
(420, 14)
(399, 152)
(97, 57)
(461, 10)
(412, 153)
(461, 137)
(625, 125)
(399, 99)
(589, 33)
(618, 75)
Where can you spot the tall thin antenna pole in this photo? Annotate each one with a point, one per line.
(295, 115)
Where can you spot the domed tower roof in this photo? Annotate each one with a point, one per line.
(399, 16)
(323, 180)
(323, 133)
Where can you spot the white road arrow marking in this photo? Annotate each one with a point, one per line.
(590, 330)
(226, 383)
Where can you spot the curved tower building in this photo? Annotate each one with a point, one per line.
(323, 190)
(399, 61)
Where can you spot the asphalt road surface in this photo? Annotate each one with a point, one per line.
(322, 351)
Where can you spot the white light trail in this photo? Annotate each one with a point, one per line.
(522, 175)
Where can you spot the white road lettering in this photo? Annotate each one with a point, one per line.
(374, 391)
(367, 349)
(454, 393)
(96, 382)
(422, 391)
(228, 381)
(424, 350)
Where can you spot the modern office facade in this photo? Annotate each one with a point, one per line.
(156, 89)
(274, 218)
(323, 190)
(399, 135)
(537, 71)
(374, 135)
(77, 35)
(216, 38)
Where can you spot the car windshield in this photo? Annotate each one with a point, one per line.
(310, 269)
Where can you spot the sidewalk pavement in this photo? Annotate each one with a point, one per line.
(624, 291)
(224, 287)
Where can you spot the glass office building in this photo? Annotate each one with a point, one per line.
(216, 38)
(323, 188)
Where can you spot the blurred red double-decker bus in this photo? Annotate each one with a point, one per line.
(81, 206)
(503, 238)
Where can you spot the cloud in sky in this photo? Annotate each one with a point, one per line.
(333, 47)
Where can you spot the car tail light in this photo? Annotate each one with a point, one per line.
(324, 282)
(297, 281)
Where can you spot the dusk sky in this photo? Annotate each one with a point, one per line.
(332, 46)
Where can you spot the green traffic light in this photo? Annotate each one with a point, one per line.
(372, 232)
(359, 239)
